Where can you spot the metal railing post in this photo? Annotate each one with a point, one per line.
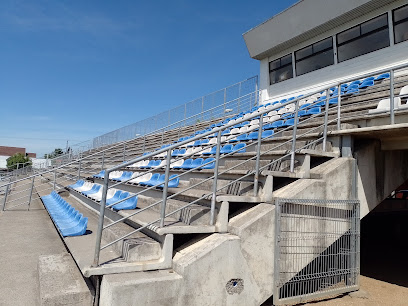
(339, 107)
(31, 193)
(166, 185)
(55, 178)
(258, 157)
(326, 118)
(239, 97)
(292, 153)
(214, 191)
(79, 170)
(392, 115)
(256, 92)
(5, 196)
(124, 151)
(101, 219)
(225, 100)
(103, 160)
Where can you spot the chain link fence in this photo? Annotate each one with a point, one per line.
(228, 101)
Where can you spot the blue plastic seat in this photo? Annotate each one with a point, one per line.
(253, 136)
(100, 174)
(181, 152)
(243, 137)
(115, 197)
(212, 152)
(175, 153)
(333, 101)
(197, 163)
(267, 134)
(186, 164)
(197, 143)
(149, 165)
(277, 124)
(314, 111)
(366, 84)
(153, 179)
(290, 122)
(66, 218)
(239, 148)
(302, 113)
(352, 91)
(128, 204)
(174, 181)
(78, 183)
(209, 166)
(76, 230)
(268, 126)
(356, 82)
(95, 188)
(205, 141)
(159, 180)
(226, 149)
(305, 106)
(287, 115)
(127, 175)
(382, 76)
(369, 79)
(225, 132)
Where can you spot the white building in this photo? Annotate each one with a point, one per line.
(315, 43)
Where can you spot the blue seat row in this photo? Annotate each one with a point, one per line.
(198, 163)
(228, 148)
(120, 195)
(66, 218)
(252, 136)
(158, 180)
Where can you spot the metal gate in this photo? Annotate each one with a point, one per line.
(317, 249)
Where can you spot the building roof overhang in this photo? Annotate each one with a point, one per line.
(303, 21)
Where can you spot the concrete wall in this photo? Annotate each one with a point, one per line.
(336, 73)
(379, 173)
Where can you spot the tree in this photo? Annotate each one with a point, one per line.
(17, 161)
(57, 152)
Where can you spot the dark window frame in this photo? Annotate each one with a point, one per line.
(395, 23)
(314, 54)
(362, 36)
(280, 67)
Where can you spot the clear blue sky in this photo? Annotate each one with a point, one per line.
(72, 70)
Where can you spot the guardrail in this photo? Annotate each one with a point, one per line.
(256, 156)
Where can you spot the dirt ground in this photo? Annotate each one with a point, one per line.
(372, 292)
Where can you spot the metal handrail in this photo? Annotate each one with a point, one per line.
(218, 130)
(161, 130)
(97, 153)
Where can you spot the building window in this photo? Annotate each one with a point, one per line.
(367, 37)
(400, 18)
(281, 69)
(315, 56)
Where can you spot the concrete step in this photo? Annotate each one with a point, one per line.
(137, 252)
(236, 188)
(61, 283)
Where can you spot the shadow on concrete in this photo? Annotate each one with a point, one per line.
(384, 246)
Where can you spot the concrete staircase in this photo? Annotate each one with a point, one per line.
(190, 262)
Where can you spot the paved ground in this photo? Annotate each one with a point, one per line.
(24, 235)
(373, 292)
